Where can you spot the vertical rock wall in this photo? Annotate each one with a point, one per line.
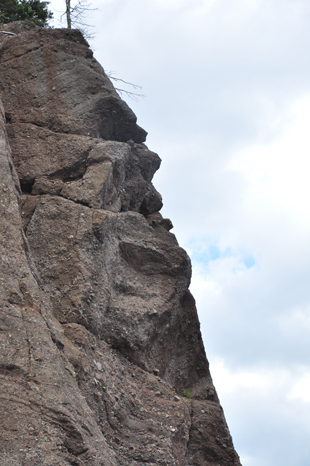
(99, 332)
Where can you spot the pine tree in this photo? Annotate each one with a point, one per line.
(31, 10)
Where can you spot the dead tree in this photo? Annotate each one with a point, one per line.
(76, 16)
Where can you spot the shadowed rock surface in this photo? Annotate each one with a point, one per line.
(99, 333)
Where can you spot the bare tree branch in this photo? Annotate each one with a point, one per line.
(133, 95)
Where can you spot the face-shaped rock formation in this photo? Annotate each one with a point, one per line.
(100, 335)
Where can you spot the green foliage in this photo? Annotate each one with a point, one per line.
(185, 393)
(21, 10)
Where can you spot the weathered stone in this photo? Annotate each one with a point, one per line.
(41, 405)
(58, 85)
(99, 332)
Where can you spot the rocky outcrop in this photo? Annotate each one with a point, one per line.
(99, 333)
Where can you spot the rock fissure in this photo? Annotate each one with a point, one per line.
(26, 187)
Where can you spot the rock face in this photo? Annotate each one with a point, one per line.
(99, 334)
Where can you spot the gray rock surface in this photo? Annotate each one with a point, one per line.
(99, 333)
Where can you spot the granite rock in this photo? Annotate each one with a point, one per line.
(99, 333)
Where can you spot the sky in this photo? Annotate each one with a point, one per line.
(226, 87)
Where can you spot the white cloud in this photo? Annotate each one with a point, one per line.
(271, 398)
(301, 389)
(180, 4)
(277, 174)
(297, 321)
(229, 381)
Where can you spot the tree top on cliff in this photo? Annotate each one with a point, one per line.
(20, 10)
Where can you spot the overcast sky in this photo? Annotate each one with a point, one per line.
(227, 108)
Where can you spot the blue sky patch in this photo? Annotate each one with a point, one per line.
(205, 254)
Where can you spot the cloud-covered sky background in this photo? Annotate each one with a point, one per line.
(227, 108)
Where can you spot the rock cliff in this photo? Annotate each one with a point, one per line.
(99, 334)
